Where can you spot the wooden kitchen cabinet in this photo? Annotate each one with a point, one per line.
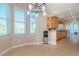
(58, 35)
(52, 22)
(61, 34)
(61, 21)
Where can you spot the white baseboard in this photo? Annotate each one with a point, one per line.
(52, 43)
(6, 50)
(16, 46)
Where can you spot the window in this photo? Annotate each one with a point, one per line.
(32, 23)
(75, 27)
(4, 17)
(19, 21)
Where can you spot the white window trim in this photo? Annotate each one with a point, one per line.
(8, 33)
(32, 23)
(15, 8)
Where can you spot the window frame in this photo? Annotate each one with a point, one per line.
(75, 27)
(31, 22)
(7, 20)
(22, 10)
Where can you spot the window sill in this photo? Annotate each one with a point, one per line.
(5, 37)
(20, 34)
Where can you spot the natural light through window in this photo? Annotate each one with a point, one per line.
(32, 22)
(4, 17)
(75, 27)
(19, 21)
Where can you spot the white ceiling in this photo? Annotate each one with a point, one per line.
(64, 10)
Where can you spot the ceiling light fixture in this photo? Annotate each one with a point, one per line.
(30, 6)
(44, 13)
(37, 8)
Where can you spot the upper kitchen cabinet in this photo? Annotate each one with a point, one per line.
(52, 22)
(61, 21)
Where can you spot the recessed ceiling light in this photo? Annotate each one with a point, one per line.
(73, 16)
(69, 9)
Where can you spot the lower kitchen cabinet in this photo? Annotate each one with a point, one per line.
(61, 34)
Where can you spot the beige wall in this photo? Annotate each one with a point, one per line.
(41, 26)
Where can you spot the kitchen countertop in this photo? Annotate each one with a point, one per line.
(60, 30)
